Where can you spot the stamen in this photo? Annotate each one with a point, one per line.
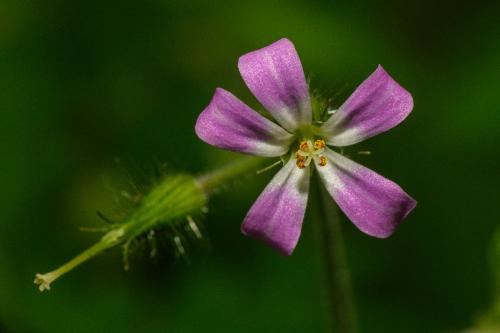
(319, 144)
(301, 163)
(268, 167)
(308, 151)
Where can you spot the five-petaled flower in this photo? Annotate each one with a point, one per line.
(275, 76)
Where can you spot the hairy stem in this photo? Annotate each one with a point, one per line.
(336, 269)
(173, 199)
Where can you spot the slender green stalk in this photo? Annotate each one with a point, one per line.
(336, 269)
(44, 280)
(173, 199)
(213, 180)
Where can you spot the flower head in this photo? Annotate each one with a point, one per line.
(275, 76)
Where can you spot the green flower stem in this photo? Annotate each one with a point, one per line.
(44, 280)
(174, 198)
(337, 272)
(215, 179)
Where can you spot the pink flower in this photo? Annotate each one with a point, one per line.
(275, 76)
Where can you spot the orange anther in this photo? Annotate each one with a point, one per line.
(318, 144)
(301, 164)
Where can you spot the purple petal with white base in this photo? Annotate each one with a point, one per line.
(229, 123)
(275, 76)
(276, 217)
(373, 203)
(376, 106)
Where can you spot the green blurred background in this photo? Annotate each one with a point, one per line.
(83, 82)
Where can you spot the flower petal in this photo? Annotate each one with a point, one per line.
(276, 217)
(229, 123)
(373, 203)
(275, 76)
(376, 106)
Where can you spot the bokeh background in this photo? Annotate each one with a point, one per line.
(84, 82)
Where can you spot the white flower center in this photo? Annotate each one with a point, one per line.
(309, 151)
